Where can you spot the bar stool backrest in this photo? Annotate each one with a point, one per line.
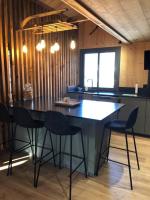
(56, 122)
(22, 117)
(4, 113)
(132, 118)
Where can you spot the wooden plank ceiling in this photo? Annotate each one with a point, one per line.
(129, 19)
(58, 5)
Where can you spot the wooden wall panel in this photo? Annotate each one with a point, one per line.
(4, 48)
(44, 70)
(48, 73)
(92, 37)
(132, 55)
(132, 64)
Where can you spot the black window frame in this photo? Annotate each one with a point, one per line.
(117, 51)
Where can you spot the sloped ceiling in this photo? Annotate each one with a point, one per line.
(131, 18)
(127, 20)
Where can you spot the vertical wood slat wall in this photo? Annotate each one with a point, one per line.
(48, 73)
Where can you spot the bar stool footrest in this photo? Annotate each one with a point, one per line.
(22, 148)
(121, 149)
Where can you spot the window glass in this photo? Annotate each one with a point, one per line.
(106, 69)
(90, 69)
(100, 68)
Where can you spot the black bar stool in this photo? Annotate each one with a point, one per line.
(58, 124)
(23, 118)
(121, 126)
(5, 117)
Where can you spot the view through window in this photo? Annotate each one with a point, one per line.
(107, 70)
(100, 69)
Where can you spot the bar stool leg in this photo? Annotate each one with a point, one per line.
(41, 158)
(52, 148)
(100, 152)
(60, 152)
(30, 140)
(70, 187)
(32, 134)
(137, 159)
(84, 160)
(12, 127)
(9, 171)
(35, 157)
(9, 128)
(129, 166)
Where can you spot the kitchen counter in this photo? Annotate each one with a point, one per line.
(91, 116)
(110, 94)
(93, 110)
(142, 125)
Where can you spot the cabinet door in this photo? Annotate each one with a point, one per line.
(87, 96)
(105, 98)
(80, 96)
(147, 118)
(130, 103)
(75, 95)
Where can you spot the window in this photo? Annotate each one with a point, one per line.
(100, 68)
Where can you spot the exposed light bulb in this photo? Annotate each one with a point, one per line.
(39, 47)
(24, 49)
(43, 44)
(56, 46)
(52, 49)
(72, 44)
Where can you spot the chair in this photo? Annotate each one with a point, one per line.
(23, 118)
(4, 113)
(121, 126)
(58, 124)
(5, 117)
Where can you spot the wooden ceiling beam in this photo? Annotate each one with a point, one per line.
(88, 13)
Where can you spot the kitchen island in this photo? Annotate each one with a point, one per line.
(89, 115)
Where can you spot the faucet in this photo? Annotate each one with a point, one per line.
(91, 81)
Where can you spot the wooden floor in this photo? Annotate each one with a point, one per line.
(112, 183)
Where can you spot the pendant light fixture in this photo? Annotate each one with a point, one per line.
(39, 47)
(43, 44)
(56, 45)
(72, 44)
(52, 50)
(25, 49)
